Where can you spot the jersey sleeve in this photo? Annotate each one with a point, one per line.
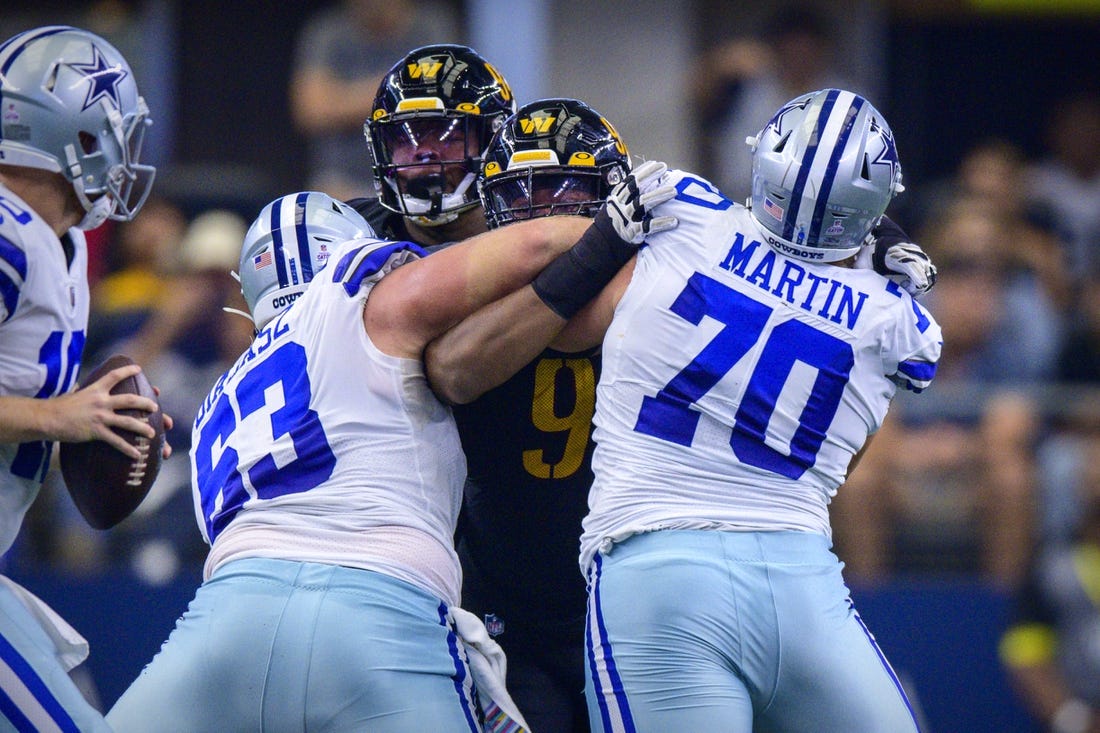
(367, 261)
(917, 344)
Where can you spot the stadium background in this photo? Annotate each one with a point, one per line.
(947, 74)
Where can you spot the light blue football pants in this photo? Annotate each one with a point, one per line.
(274, 645)
(693, 630)
(36, 693)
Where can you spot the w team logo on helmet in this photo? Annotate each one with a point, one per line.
(434, 113)
(70, 106)
(824, 169)
(554, 156)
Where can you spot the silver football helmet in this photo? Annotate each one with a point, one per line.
(823, 170)
(288, 244)
(69, 104)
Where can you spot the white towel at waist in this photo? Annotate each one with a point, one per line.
(489, 668)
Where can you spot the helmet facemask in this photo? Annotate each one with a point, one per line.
(426, 163)
(532, 192)
(434, 113)
(553, 156)
(110, 183)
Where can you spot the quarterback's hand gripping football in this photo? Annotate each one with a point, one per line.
(631, 202)
(901, 260)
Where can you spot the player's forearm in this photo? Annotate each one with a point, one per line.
(419, 302)
(510, 257)
(496, 341)
(24, 419)
(585, 330)
(488, 347)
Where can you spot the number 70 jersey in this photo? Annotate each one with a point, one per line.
(739, 382)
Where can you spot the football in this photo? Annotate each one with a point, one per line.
(105, 484)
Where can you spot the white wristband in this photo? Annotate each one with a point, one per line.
(1072, 716)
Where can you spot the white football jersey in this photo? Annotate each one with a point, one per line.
(43, 319)
(316, 446)
(738, 383)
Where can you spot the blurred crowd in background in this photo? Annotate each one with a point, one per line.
(999, 462)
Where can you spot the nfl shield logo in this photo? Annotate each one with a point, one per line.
(494, 624)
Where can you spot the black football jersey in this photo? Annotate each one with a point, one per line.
(528, 446)
(385, 223)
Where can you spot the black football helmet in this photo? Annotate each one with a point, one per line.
(434, 114)
(553, 156)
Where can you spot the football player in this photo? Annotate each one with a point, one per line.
(746, 362)
(707, 545)
(528, 441)
(72, 125)
(434, 114)
(328, 478)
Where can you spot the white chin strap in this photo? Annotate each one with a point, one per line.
(97, 211)
(435, 221)
(453, 204)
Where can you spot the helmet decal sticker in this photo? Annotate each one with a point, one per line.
(103, 79)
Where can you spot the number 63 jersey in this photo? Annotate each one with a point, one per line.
(317, 447)
(739, 382)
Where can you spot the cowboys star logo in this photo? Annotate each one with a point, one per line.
(776, 124)
(103, 80)
(889, 153)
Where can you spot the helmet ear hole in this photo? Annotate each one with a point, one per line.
(865, 171)
(88, 142)
(779, 146)
(50, 85)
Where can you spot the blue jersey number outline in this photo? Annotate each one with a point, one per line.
(669, 414)
(18, 213)
(62, 362)
(222, 492)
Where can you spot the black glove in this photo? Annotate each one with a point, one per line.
(899, 259)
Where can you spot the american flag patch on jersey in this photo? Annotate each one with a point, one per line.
(261, 260)
(773, 208)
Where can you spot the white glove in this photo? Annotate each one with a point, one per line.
(910, 268)
(631, 203)
(889, 252)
